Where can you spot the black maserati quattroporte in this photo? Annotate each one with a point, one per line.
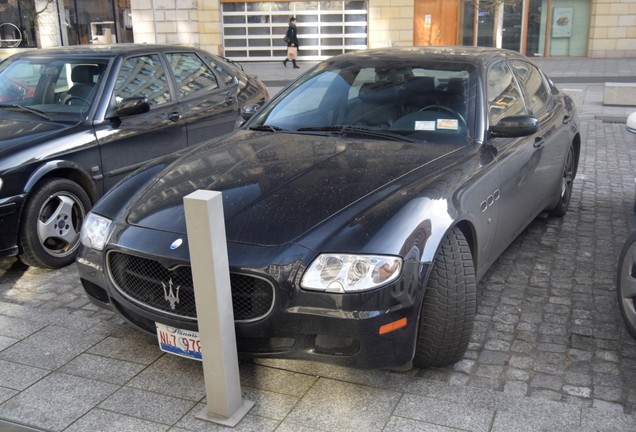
(362, 204)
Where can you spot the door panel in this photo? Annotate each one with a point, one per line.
(210, 108)
(520, 158)
(128, 142)
(436, 22)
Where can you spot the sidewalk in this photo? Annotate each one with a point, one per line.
(549, 351)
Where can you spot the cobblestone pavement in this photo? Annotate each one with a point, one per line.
(548, 324)
(548, 330)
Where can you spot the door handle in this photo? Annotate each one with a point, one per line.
(174, 116)
(538, 142)
(566, 119)
(230, 100)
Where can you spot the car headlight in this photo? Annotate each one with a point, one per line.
(95, 231)
(0, 184)
(350, 273)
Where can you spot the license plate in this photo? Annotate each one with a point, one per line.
(184, 343)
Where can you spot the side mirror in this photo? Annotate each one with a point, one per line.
(132, 106)
(631, 122)
(515, 126)
(248, 111)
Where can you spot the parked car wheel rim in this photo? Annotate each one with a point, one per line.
(53, 218)
(627, 283)
(568, 177)
(59, 224)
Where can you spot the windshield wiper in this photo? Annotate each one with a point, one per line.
(26, 109)
(266, 128)
(347, 130)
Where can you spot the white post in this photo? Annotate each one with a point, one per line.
(211, 277)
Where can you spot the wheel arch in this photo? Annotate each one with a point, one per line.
(468, 229)
(64, 169)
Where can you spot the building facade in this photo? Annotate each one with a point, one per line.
(253, 30)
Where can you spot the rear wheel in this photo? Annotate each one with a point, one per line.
(449, 305)
(53, 216)
(565, 192)
(626, 284)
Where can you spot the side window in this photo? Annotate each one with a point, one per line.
(192, 75)
(536, 91)
(504, 96)
(226, 76)
(143, 76)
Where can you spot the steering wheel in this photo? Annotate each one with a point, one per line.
(68, 99)
(447, 110)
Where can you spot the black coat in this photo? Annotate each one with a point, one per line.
(292, 36)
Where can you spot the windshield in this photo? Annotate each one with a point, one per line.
(415, 101)
(55, 86)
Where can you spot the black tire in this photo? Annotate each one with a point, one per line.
(567, 178)
(51, 222)
(626, 284)
(449, 305)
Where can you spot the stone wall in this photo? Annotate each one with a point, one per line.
(48, 34)
(612, 29)
(390, 23)
(167, 21)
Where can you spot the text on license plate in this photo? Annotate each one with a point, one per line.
(184, 343)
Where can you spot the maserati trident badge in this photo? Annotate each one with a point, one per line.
(175, 244)
(169, 295)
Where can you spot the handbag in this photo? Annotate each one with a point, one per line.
(292, 53)
(287, 39)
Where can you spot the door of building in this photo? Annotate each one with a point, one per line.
(436, 22)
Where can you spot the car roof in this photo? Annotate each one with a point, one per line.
(101, 50)
(463, 54)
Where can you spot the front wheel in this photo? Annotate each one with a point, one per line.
(626, 284)
(449, 305)
(53, 217)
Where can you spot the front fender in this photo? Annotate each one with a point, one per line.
(68, 169)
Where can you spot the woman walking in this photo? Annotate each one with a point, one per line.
(291, 37)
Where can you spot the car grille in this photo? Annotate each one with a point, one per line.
(147, 281)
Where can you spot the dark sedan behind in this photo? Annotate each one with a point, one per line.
(76, 120)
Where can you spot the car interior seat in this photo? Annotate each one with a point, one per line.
(379, 102)
(421, 92)
(83, 83)
(456, 94)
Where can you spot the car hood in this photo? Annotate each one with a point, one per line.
(277, 186)
(16, 132)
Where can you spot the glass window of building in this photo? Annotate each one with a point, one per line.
(536, 28)
(255, 30)
(17, 24)
(96, 22)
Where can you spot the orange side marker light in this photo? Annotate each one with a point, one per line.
(387, 328)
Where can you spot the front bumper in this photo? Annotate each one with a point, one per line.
(332, 328)
(10, 211)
